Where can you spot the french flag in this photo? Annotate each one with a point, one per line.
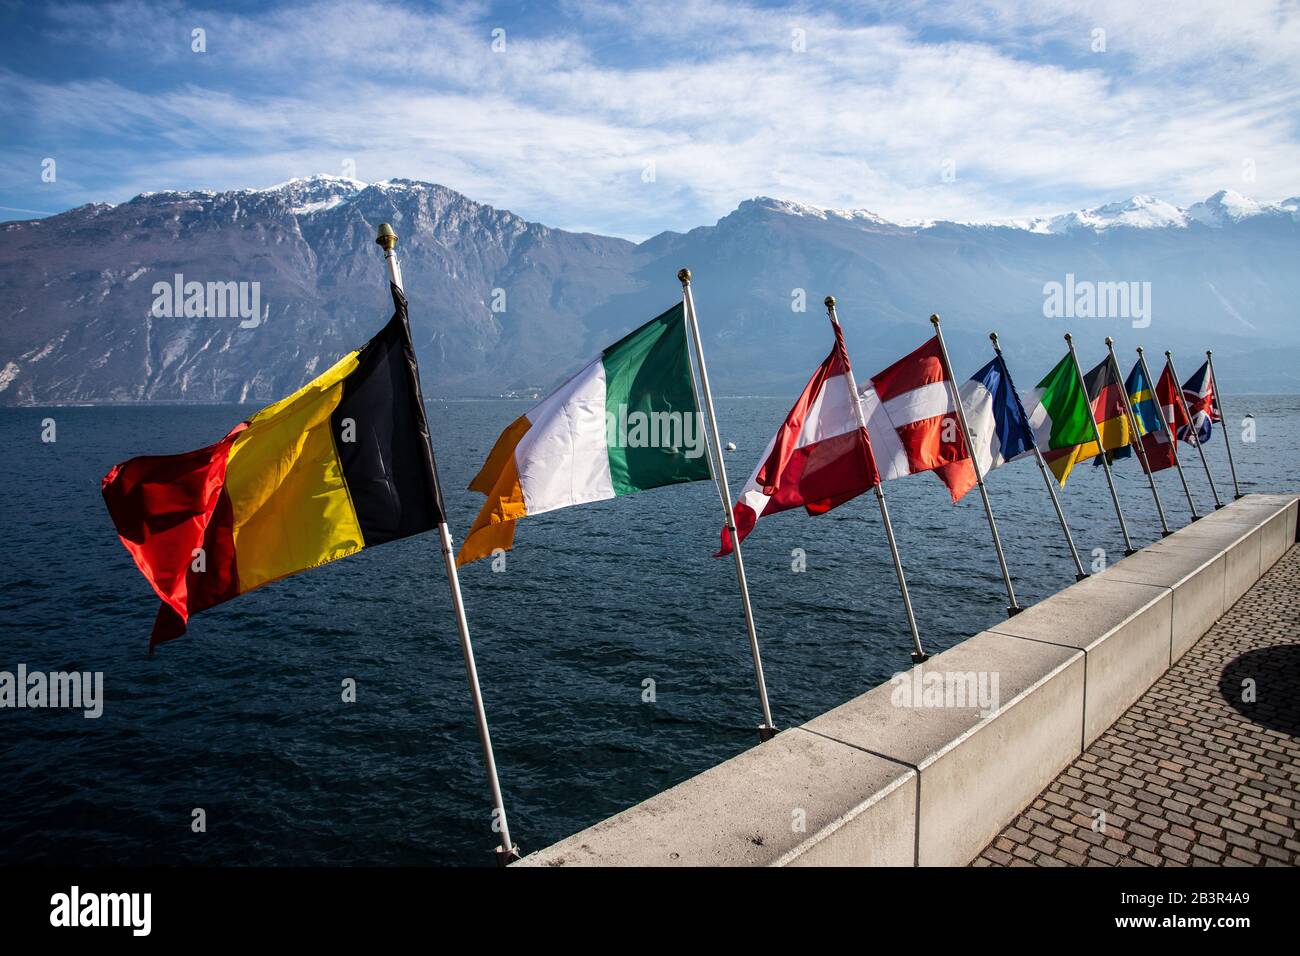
(999, 428)
(913, 422)
(1198, 393)
(819, 458)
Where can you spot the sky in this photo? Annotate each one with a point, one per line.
(627, 117)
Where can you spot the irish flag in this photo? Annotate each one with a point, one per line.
(626, 421)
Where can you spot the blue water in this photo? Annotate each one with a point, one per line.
(243, 717)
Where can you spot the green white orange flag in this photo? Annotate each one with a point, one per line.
(1059, 415)
(626, 421)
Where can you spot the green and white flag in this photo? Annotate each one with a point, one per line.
(1058, 409)
(625, 422)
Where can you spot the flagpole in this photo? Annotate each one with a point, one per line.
(1173, 438)
(507, 852)
(918, 653)
(1191, 428)
(1013, 607)
(1137, 437)
(1096, 434)
(1223, 418)
(1079, 573)
(768, 730)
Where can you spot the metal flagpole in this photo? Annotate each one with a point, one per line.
(1223, 418)
(1096, 434)
(1013, 607)
(1191, 428)
(1137, 437)
(918, 654)
(507, 852)
(1079, 573)
(1164, 421)
(768, 729)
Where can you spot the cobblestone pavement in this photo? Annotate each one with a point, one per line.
(1191, 774)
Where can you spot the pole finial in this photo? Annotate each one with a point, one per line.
(1069, 337)
(829, 302)
(1139, 350)
(1208, 353)
(934, 319)
(993, 337)
(1109, 341)
(1168, 354)
(386, 238)
(684, 276)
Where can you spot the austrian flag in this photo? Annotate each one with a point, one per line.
(819, 458)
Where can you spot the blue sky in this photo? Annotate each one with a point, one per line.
(973, 110)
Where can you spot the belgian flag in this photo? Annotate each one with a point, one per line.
(342, 464)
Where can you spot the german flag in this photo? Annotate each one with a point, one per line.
(342, 464)
(1106, 396)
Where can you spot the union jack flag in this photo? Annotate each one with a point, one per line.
(1198, 393)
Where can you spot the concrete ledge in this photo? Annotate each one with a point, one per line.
(1125, 631)
(1034, 728)
(1196, 578)
(881, 781)
(798, 795)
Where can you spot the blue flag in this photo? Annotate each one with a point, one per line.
(999, 427)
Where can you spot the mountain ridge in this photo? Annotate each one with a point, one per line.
(502, 305)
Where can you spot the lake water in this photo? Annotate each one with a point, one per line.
(243, 717)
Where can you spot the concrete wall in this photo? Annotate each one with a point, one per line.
(882, 781)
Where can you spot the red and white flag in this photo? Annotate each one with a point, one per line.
(819, 458)
(913, 422)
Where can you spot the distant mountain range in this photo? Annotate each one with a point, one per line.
(502, 306)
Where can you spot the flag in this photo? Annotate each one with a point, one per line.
(1058, 409)
(342, 464)
(999, 427)
(1157, 447)
(820, 457)
(625, 422)
(1198, 393)
(912, 421)
(1106, 397)
(1160, 449)
(1141, 400)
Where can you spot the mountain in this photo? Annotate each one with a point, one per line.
(502, 305)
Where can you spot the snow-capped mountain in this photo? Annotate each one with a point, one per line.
(1139, 212)
(500, 304)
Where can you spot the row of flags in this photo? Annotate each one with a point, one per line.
(346, 462)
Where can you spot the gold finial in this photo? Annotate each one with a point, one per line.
(934, 320)
(829, 302)
(386, 238)
(1109, 341)
(684, 276)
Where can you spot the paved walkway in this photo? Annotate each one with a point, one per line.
(1185, 777)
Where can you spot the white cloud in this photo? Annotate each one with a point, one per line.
(559, 126)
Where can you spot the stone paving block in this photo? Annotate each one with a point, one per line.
(1219, 819)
